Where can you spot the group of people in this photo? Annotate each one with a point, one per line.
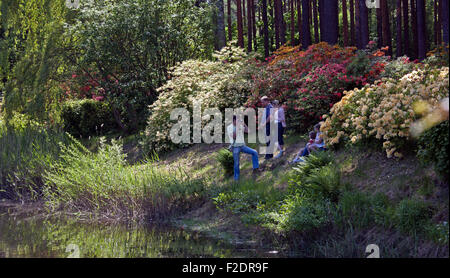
(238, 144)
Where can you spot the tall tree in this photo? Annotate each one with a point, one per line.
(444, 21)
(414, 28)
(277, 23)
(299, 21)
(281, 23)
(421, 29)
(330, 26)
(291, 7)
(399, 28)
(249, 26)
(352, 23)
(345, 22)
(239, 23)
(306, 32)
(406, 50)
(387, 38)
(230, 25)
(265, 28)
(316, 21)
(220, 25)
(254, 22)
(364, 22)
(380, 28)
(357, 25)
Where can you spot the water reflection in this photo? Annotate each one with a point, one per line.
(22, 236)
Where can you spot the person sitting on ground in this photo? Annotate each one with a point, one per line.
(280, 120)
(236, 136)
(304, 151)
(318, 144)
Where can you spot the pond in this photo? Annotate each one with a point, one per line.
(28, 236)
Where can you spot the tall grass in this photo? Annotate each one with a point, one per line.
(25, 154)
(102, 182)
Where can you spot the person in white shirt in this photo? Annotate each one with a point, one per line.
(280, 120)
(236, 135)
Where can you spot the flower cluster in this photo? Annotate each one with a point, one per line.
(384, 111)
(311, 81)
(222, 83)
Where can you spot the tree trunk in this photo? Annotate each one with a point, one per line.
(306, 38)
(265, 28)
(281, 23)
(299, 21)
(255, 41)
(330, 26)
(357, 25)
(406, 50)
(316, 22)
(399, 28)
(380, 28)
(352, 23)
(364, 21)
(220, 41)
(249, 26)
(239, 24)
(230, 25)
(291, 4)
(444, 21)
(421, 29)
(387, 39)
(277, 23)
(414, 28)
(345, 22)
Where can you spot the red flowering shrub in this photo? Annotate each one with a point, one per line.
(310, 82)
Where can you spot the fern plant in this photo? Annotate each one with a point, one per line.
(225, 158)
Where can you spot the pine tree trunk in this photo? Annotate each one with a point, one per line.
(345, 22)
(364, 21)
(299, 21)
(358, 25)
(406, 50)
(255, 41)
(399, 28)
(282, 23)
(380, 28)
(306, 38)
(414, 28)
(239, 24)
(249, 26)
(316, 21)
(329, 27)
(277, 24)
(387, 38)
(421, 29)
(444, 21)
(220, 25)
(265, 28)
(291, 4)
(352, 23)
(230, 25)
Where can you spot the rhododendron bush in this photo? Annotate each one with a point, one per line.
(310, 82)
(221, 83)
(384, 111)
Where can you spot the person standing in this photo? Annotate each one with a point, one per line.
(280, 121)
(266, 122)
(235, 132)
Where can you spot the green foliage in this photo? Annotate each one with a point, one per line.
(26, 151)
(398, 68)
(433, 148)
(412, 216)
(225, 158)
(215, 84)
(102, 182)
(87, 117)
(361, 210)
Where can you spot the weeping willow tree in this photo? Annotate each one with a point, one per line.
(31, 64)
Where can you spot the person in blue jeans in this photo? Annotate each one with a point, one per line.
(238, 146)
(316, 144)
(266, 121)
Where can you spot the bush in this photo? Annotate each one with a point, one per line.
(216, 84)
(384, 112)
(87, 117)
(412, 216)
(311, 81)
(433, 148)
(225, 158)
(102, 182)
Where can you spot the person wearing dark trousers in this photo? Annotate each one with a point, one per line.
(266, 121)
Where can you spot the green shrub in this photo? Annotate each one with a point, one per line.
(326, 182)
(102, 182)
(225, 158)
(87, 117)
(412, 216)
(360, 210)
(433, 148)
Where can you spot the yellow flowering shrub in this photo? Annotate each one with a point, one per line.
(384, 111)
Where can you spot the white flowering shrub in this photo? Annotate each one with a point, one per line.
(384, 111)
(221, 83)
